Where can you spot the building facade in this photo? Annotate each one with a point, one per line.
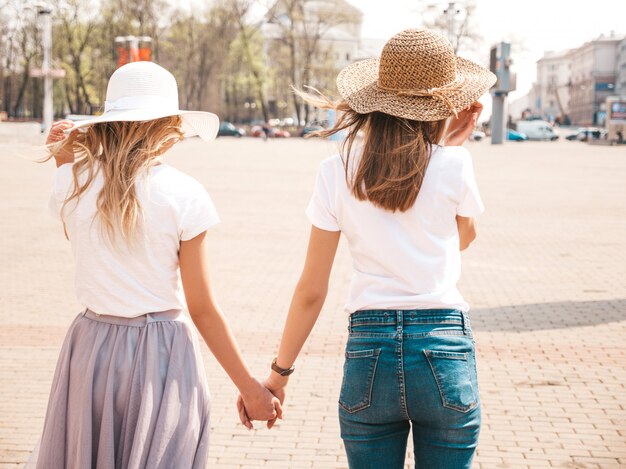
(575, 83)
(552, 90)
(620, 69)
(593, 79)
(334, 24)
(307, 46)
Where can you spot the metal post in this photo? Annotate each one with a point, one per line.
(498, 124)
(500, 63)
(45, 13)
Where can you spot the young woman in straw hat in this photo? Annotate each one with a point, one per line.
(405, 200)
(130, 389)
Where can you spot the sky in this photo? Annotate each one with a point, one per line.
(532, 26)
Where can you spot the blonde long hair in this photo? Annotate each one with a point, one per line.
(120, 151)
(395, 152)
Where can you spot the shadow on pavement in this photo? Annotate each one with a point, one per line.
(543, 316)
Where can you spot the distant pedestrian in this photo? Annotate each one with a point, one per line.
(267, 130)
(129, 389)
(620, 136)
(405, 199)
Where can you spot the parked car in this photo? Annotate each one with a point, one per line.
(573, 136)
(310, 129)
(279, 133)
(537, 130)
(228, 129)
(515, 136)
(584, 134)
(477, 136)
(257, 131)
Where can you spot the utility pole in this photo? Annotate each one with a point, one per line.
(451, 13)
(44, 12)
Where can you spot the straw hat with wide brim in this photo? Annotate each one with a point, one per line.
(417, 77)
(144, 91)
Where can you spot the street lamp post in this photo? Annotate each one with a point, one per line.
(44, 12)
(451, 11)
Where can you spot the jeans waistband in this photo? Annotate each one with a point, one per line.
(138, 321)
(400, 318)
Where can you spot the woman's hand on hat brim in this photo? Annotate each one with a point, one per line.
(58, 134)
(461, 127)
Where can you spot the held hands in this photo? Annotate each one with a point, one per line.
(460, 128)
(276, 384)
(273, 386)
(256, 402)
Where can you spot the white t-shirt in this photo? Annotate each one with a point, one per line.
(402, 260)
(122, 281)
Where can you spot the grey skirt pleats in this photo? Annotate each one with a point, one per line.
(128, 393)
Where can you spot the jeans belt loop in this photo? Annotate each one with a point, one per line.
(399, 321)
(350, 324)
(465, 320)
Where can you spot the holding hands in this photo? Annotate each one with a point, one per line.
(274, 385)
(256, 402)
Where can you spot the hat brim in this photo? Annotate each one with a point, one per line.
(358, 86)
(200, 123)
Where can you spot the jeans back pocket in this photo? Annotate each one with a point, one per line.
(452, 373)
(359, 371)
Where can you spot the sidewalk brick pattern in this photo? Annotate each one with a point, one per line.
(546, 279)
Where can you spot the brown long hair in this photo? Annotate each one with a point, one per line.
(120, 150)
(395, 152)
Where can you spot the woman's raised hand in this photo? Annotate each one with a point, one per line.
(461, 127)
(57, 133)
(258, 403)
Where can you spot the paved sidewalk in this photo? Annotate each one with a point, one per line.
(546, 279)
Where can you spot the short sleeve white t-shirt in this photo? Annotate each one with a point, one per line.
(130, 281)
(402, 260)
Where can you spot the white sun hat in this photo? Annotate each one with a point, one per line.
(143, 91)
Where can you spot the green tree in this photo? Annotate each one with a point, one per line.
(195, 48)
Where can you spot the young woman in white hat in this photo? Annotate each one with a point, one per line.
(130, 389)
(405, 200)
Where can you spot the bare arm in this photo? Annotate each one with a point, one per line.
(209, 319)
(307, 302)
(309, 295)
(467, 231)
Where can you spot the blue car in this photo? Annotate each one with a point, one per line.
(515, 136)
(229, 130)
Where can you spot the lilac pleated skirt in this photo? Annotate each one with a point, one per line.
(128, 393)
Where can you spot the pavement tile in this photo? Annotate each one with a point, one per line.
(545, 278)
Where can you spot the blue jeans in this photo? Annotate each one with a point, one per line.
(410, 369)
